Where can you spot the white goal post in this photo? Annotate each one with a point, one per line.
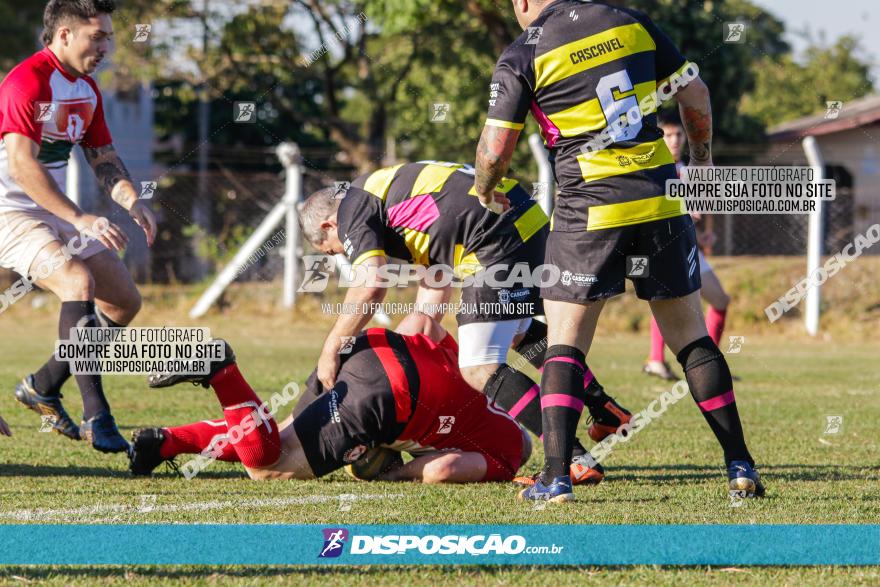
(814, 238)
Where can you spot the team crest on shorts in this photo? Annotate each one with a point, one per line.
(505, 296)
(581, 279)
(353, 454)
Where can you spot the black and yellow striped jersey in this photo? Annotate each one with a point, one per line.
(428, 213)
(579, 67)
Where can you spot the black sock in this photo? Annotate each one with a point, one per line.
(516, 394)
(82, 314)
(596, 396)
(711, 386)
(562, 401)
(533, 347)
(50, 378)
(519, 396)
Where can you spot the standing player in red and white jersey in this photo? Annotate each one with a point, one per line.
(48, 104)
(711, 289)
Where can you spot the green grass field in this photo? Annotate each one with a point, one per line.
(671, 472)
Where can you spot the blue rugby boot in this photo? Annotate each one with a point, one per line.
(558, 491)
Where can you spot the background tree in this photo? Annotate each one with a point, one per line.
(358, 94)
(786, 88)
(20, 25)
(476, 32)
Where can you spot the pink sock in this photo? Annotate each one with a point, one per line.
(657, 344)
(715, 323)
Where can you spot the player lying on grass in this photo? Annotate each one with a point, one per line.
(425, 213)
(401, 390)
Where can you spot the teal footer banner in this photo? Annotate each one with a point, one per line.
(184, 544)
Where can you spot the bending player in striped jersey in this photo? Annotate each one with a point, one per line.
(426, 213)
(398, 391)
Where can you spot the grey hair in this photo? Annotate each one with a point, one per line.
(318, 208)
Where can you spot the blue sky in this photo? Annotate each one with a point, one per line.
(835, 18)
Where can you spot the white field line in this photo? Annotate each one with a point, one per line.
(72, 514)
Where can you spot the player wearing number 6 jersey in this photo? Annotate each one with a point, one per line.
(582, 70)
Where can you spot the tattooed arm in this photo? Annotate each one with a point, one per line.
(114, 178)
(494, 153)
(696, 114)
(112, 175)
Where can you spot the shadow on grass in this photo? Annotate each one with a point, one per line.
(784, 472)
(23, 470)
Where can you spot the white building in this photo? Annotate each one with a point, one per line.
(849, 139)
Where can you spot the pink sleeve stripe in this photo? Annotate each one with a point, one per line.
(417, 213)
(550, 131)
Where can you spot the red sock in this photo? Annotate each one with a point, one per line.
(256, 441)
(715, 323)
(195, 438)
(657, 344)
